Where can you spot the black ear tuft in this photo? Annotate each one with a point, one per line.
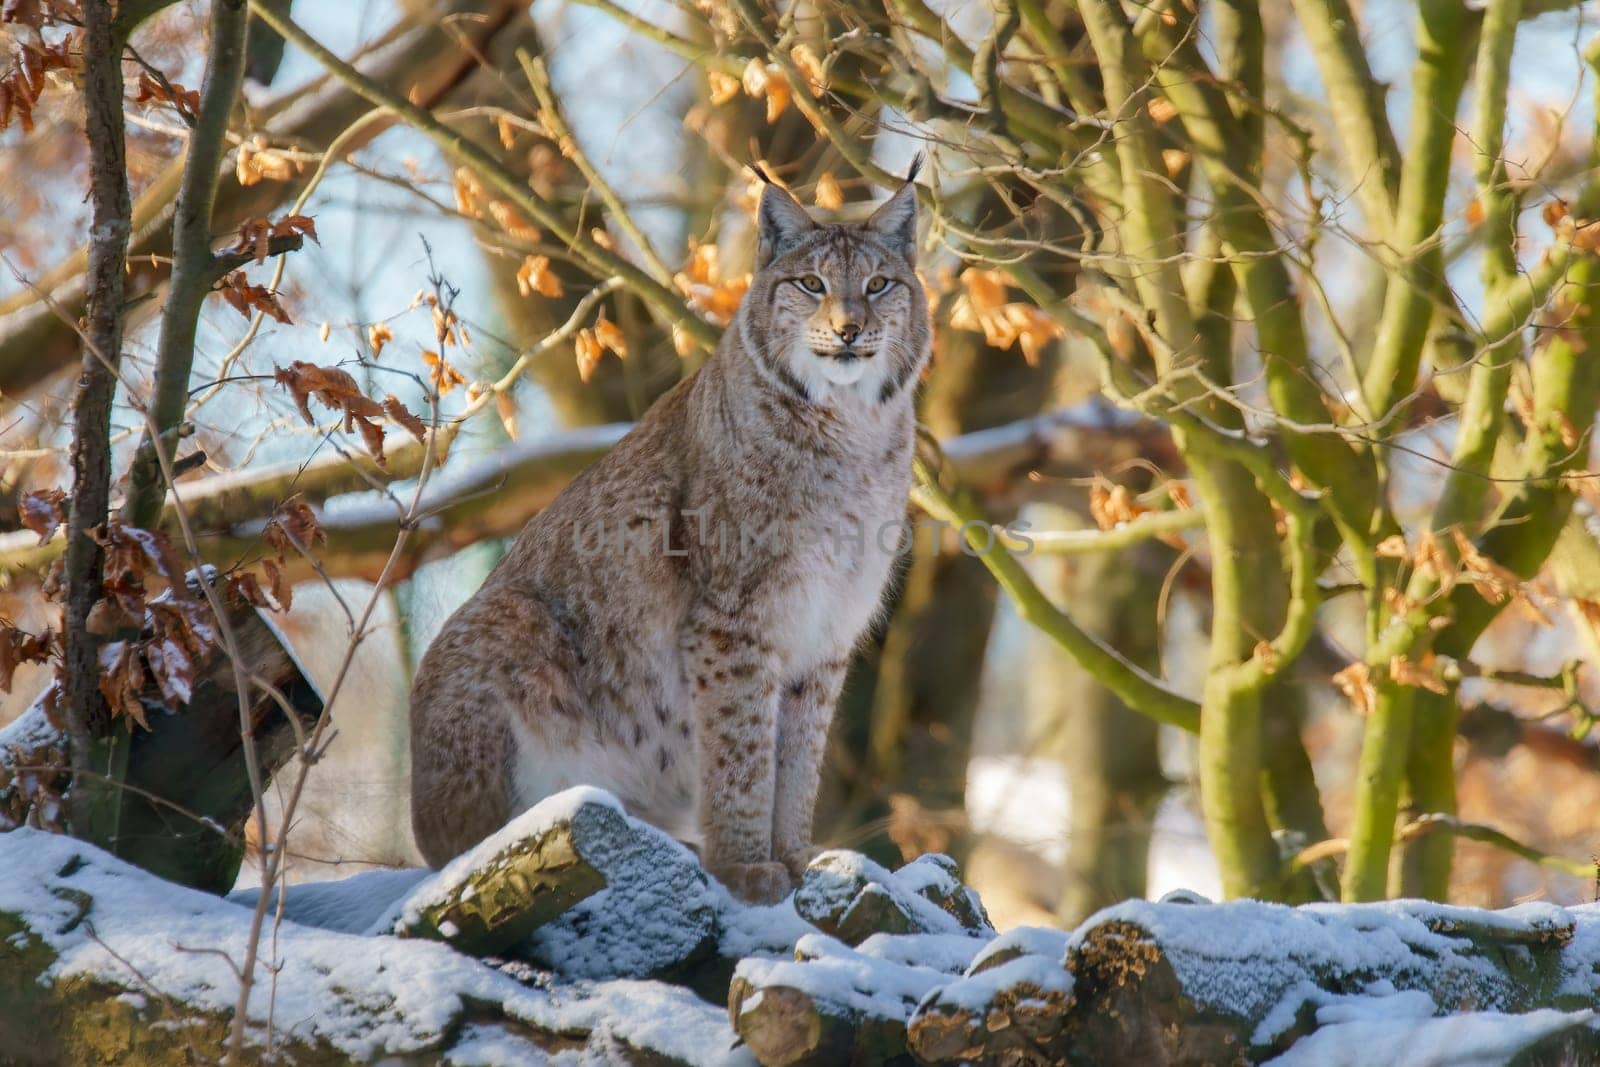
(780, 220)
(895, 221)
(762, 174)
(915, 168)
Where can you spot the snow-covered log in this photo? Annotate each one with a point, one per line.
(615, 947)
(847, 895)
(1245, 982)
(101, 962)
(835, 1004)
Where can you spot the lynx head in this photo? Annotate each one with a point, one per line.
(836, 309)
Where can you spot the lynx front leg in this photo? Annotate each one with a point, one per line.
(804, 713)
(735, 696)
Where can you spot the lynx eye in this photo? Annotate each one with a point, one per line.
(877, 284)
(811, 283)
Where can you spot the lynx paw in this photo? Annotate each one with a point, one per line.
(755, 883)
(797, 861)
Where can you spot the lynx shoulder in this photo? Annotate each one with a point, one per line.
(675, 627)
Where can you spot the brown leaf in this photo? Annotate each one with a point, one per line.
(245, 587)
(398, 412)
(828, 195)
(811, 68)
(122, 678)
(1417, 675)
(1111, 505)
(132, 555)
(1355, 682)
(724, 87)
(1393, 547)
(588, 352)
(1162, 110)
(293, 527)
(256, 162)
(506, 407)
(18, 647)
(1492, 581)
(278, 583)
(510, 220)
(372, 436)
(535, 276)
(378, 335)
(43, 511)
(470, 193)
(707, 291)
(443, 375)
(185, 101)
(609, 335)
(243, 297)
(331, 386)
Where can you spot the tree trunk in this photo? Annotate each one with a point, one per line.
(1113, 770)
(94, 745)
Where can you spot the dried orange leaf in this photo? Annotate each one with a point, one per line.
(378, 335)
(609, 335)
(535, 276)
(399, 413)
(829, 196)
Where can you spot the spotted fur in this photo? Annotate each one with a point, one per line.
(675, 627)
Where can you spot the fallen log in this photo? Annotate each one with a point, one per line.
(101, 962)
(1245, 982)
(850, 897)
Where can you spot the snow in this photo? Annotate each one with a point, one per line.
(350, 905)
(834, 973)
(1023, 941)
(976, 992)
(758, 930)
(946, 953)
(1272, 962)
(837, 878)
(656, 911)
(368, 997)
(30, 730)
(1367, 977)
(1479, 1039)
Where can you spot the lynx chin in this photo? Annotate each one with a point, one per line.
(697, 683)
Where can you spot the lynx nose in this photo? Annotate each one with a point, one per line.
(848, 332)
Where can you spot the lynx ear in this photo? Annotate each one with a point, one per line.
(780, 222)
(895, 221)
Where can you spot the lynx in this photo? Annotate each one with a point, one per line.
(675, 627)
